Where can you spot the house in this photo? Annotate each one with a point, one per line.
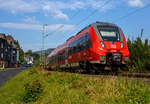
(13, 51)
(3, 51)
(29, 59)
(9, 53)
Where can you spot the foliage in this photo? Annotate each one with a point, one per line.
(28, 53)
(137, 96)
(139, 55)
(135, 93)
(34, 55)
(21, 52)
(32, 91)
(37, 86)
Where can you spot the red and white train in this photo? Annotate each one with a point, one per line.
(100, 45)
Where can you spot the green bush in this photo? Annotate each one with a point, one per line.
(139, 55)
(32, 92)
(65, 88)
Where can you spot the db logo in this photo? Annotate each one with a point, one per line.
(113, 46)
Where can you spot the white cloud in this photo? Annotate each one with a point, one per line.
(61, 15)
(76, 5)
(136, 3)
(37, 46)
(18, 6)
(52, 27)
(30, 20)
(99, 4)
(21, 26)
(54, 8)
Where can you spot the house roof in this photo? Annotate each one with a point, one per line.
(2, 35)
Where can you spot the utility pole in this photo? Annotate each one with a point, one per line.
(43, 51)
(43, 59)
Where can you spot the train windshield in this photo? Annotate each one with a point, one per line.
(109, 33)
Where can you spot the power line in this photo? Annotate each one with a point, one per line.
(85, 17)
(54, 31)
(74, 15)
(131, 13)
(125, 16)
(93, 13)
(82, 19)
(71, 17)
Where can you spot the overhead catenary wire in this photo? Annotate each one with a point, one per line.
(88, 15)
(61, 26)
(131, 13)
(125, 16)
(76, 24)
(92, 13)
(75, 14)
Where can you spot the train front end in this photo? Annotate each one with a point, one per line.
(109, 44)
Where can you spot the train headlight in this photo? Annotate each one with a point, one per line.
(103, 45)
(122, 45)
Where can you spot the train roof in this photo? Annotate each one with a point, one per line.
(97, 23)
(103, 24)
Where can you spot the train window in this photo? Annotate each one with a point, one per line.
(60, 57)
(89, 44)
(70, 49)
(109, 33)
(51, 60)
(80, 44)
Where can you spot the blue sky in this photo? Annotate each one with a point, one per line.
(23, 19)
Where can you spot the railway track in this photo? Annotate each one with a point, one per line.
(121, 74)
(137, 75)
(144, 77)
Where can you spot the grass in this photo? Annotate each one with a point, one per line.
(67, 88)
(1, 68)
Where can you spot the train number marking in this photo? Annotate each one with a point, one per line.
(113, 46)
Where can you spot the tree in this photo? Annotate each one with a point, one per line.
(28, 53)
(34, 55)
(21, 52)
(139, 54)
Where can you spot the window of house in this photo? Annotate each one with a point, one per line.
(1, 45)
(6, 50)
(2, 55)
(14, 52)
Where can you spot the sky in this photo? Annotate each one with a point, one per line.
(24, 19)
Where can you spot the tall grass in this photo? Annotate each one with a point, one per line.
(66, 88)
